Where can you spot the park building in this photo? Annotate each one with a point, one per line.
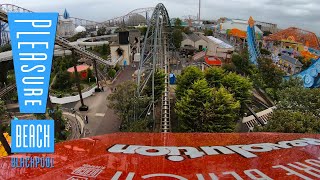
(194, 40)
(66, 27)
(237, 28)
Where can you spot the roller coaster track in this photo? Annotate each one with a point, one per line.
(67, 45)
(85, 22)
(154, 56)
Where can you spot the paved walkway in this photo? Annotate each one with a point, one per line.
(75, 126)
(103, 120)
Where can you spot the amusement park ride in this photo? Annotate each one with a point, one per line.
(310, 76)
(168, 156)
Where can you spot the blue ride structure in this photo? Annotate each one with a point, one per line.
(310, 76)
(254, 52)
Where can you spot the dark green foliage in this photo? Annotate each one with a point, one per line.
(288, 121)
(187, 30)
(105, 49)
(101, 31)
(229, 67)
(299, 99)
(111, 73)
(3, 109)
(63, 81)
(141, 125)
(265, 52)
(203, 109)
(5, 48)
(240, 86)
(186, 79)
(242, 63)
(124, 102)
(158, 85)
(90, 74)
(78, 36)
(62, 64)
(177, 23)
(191, 106)
(266, 33)
(117, 67)
(177, 37)
(214, 76)
(221, 113)
(40, 116)
(270, 73)
(143, 30)
(208, 32)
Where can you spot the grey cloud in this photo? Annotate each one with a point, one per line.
(286, 13)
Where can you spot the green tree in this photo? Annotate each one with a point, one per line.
(178, 23)
(90, 75)
(63, 81)
(125, 103)
(177, 38)
(221, 113)
(159, 77)
(288, 121)
(270, 73)
(299, 99)
(3, 109)
(208, 32)
(111, 73)
(240, 86)
(5, 48)
(143, 30)
(242, 63)
(138, 126)
(265, 52)
(40, 116)
(214, 75)
(101, 31)
(191, 106)
(266, 33)
(187, 30)
(203, 109)
(188, 76)
(105, 50)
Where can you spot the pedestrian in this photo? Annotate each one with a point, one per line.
(86, 119)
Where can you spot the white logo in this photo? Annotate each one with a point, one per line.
(173, 153)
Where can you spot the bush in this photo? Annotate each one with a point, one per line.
(288, 121)
(265, 52)
(229, 67)
(63, 81)
(111, 73)
(117, 68)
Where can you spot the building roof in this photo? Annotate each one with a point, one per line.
(193, 37)
(185, 36)
(80, 68)
(238, 24)
(291, 60)
(219, 42)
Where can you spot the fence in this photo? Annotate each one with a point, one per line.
(70, 99)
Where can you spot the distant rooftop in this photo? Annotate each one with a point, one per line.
(219, 42)
(291, 60)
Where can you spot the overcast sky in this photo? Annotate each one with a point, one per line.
(286, 13)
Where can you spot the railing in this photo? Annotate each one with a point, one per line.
(80, 125)
(264, 115)
(66, 44)
(7, 89)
